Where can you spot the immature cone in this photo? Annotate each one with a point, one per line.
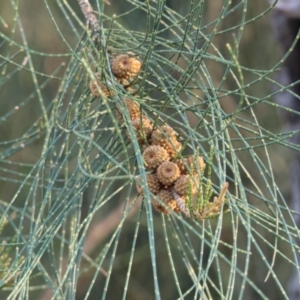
(167, 173)
(163, 134)
(190, 164)
(167, 198)
(181, 165)
(159, 207)
(96, 85)
(172, 149)
(155, 156)
(166, 138)
(133, 109)
(143, 129)
(153, 184)
(124, 67)
(194, 164)
(183, 184)
(135, 66)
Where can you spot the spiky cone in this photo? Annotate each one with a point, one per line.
(143, 129)
(96, 86)
(167, 173)
(185, 185)
(168, 199)
(190, 165)
(153, 184)
(133, 109)
(125, 67)
(173, 148)
(165, 132)
(180, 162)
(165, 136)
(155, 156)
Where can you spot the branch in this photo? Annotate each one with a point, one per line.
(91, 20)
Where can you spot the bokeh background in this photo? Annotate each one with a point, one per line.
(22, 138)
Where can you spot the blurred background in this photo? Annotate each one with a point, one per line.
(48, 33)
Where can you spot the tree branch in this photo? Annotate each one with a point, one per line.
(91, 20)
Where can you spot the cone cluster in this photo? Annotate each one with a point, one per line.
(168, 173)
(171, 178)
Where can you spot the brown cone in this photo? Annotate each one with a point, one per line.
(166, 197)
(194, 164)
(155, 156)
(143, 129)
(96, 85)
(163, 134)
(124, 67)
(153, 184)
(183, 183)
(167, 173)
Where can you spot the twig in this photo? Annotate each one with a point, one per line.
(91, 20)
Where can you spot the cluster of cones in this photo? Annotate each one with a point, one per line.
(169, 175)
(171, 179)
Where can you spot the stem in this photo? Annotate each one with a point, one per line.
(91, 20)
